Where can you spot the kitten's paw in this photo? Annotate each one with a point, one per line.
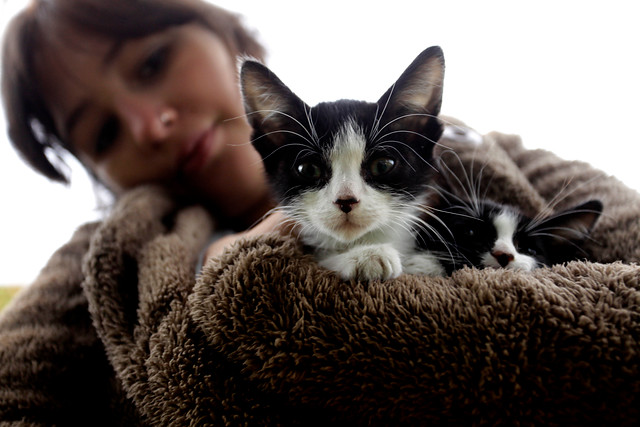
(423, 263)
(366, 263)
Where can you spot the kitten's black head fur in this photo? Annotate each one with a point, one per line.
(295, 140)
(466, 234)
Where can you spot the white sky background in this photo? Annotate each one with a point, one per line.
(562, 74)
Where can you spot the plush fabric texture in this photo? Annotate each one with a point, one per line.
(264, 336)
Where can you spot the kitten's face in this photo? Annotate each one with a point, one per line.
(342, 190)
(346, 169)
(492, 235)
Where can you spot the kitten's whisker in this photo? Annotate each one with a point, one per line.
(569, 241)
(559, 197)
(375, 130)
(473, 180)
(446, 122)
(549, 207)
(413, 150)
(390, 122)
(458, 261)
(539, 220)
(283, 146)
(463, 188)
(276, 209)
(487, 187)
(312, 127)
(447, 195)
(391, 147)
(381, 139)
(378, 119)
(289, 116)
(310, 143)
(582, 232)
(374, 125)
(295, 188)
(426, 226)
(414, 224)
(478, 182)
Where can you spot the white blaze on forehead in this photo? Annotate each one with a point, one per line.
(346, 159)
(506, 223)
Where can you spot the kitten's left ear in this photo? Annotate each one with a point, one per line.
(418, 91)
(574, 224)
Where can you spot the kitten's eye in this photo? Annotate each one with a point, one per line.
(153, 64)
(382, 166)
(523, 247)
(107, 135)
(471, 232)
(309, 170)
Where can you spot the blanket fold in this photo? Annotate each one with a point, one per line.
(267, 337)
(264, 336)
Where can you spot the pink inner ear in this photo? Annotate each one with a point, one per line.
(269, 102)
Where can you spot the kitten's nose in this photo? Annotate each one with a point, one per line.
(503, 258)
(346, 204)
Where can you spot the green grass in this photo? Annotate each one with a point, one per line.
(6, 294)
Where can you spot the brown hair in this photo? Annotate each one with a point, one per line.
(31, 128)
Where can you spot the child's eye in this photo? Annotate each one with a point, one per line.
(309, 170)
(153, 64)
(107, 135)
(382, 166)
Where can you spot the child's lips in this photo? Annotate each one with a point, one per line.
(196, 152)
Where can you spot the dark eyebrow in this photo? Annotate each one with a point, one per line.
(77, 113)
(112, 53)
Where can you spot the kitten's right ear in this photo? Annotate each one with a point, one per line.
(574, 224)
(270, 105)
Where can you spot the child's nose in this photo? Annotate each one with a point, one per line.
(148, 123)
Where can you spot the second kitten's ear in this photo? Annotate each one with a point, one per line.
(576, 223)
(418, 91)
(270, 105)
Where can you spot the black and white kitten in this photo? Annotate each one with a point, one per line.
(486, 234)
(353, 175)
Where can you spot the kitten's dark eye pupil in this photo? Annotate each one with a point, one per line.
(471, 232)
(532, 252)
(382, 166)
(309, 170)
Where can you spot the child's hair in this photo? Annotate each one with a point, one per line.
(30, 125)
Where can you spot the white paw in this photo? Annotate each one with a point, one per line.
(366, 263)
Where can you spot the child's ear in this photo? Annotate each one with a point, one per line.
(270, 105)
(419, 89)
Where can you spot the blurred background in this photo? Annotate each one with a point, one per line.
(562, 74)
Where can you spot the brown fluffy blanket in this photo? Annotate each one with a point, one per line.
(263, 336)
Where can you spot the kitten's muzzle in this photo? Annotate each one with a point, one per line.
(503, 258)
(346, 205)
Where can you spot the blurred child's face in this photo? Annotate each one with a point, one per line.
(165, 109)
